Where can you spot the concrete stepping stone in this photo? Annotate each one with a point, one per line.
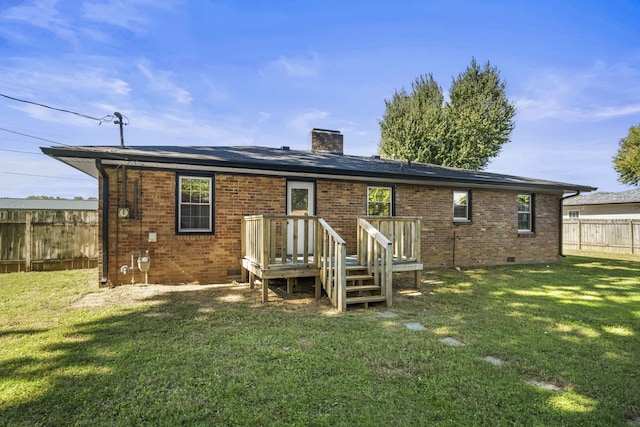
(387, 314)
(452, 341)
(494, 360)
(544, 385)
(415, 326)
(635, 421)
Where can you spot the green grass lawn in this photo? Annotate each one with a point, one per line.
(216, 356)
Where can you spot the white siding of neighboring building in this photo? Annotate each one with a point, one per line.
(610, 211)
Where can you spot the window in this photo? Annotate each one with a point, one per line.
(525, 213)
(379, 201)
(461, 206)
(195, 201)
(574, 214)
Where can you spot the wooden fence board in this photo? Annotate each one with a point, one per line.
(602, 235)
(48, 239)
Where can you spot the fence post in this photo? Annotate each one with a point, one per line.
(579, 235)
(27, 241)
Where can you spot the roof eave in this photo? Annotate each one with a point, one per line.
(80, 160)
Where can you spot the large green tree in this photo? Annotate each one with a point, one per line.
(627, 159)
(466, 131)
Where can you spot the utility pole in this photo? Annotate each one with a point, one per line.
(119, 122)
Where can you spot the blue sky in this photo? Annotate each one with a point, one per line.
(266, 73)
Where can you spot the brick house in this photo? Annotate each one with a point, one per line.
(191, 210)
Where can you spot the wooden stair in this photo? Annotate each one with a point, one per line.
(361, 287)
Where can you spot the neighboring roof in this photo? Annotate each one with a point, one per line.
(50, 204)
(604, 198)
(285, 162)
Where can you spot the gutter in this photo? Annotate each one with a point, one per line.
(105, 222)
(560, 221)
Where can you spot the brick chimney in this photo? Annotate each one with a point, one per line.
(326, 141)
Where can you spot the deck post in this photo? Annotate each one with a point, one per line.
(318, 284)
(265, 290)
(252, 280)
(417, 278)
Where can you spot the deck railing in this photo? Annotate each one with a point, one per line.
(403, 231)
(281, 245)
(375, 252)
(278, 240)
(332, 261)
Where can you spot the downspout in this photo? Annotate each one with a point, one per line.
(105, 222)
(561, 221)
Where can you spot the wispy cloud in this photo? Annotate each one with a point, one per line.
(74, 87)
(161, 82)
(48, 80)
(42, 14)
(263, 116)
(131, 14)
(306, 120)
(149, 127)
(600, 92)
(297, 67)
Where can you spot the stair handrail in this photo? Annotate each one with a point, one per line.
(375, 251)
(332, 262)
(404, 232)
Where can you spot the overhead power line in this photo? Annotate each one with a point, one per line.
(48, 176)
(19, 151)
(107, 118)
(34, 137)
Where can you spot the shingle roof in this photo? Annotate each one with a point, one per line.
(605, 198)
(266, 159)
(51, 204)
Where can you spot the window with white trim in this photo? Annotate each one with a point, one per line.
(195, 204)
(379, 201)
(461, 206)
(525, 213)
(574, 214)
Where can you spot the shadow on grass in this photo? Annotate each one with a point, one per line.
(575, 325)
(20, 332)
(218, 356)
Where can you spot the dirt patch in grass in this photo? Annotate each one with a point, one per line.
(211, 296)
(206, 296)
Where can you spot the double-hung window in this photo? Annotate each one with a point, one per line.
(525, 213)
(379, 201)
(461, 206)
(195, 204)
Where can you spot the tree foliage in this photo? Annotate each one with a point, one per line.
(627, 159)
(466, 131)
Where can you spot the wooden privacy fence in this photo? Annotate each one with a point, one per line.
(41, 240)
(602, 235)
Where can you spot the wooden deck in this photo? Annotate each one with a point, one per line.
(290, 247)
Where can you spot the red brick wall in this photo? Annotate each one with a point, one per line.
(490, 238)
(185, 258)
(340, 203)
(492, 235)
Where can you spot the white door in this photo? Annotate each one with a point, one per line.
(300, 201)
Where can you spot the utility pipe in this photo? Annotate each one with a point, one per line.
(105, 222)
(561, 221)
